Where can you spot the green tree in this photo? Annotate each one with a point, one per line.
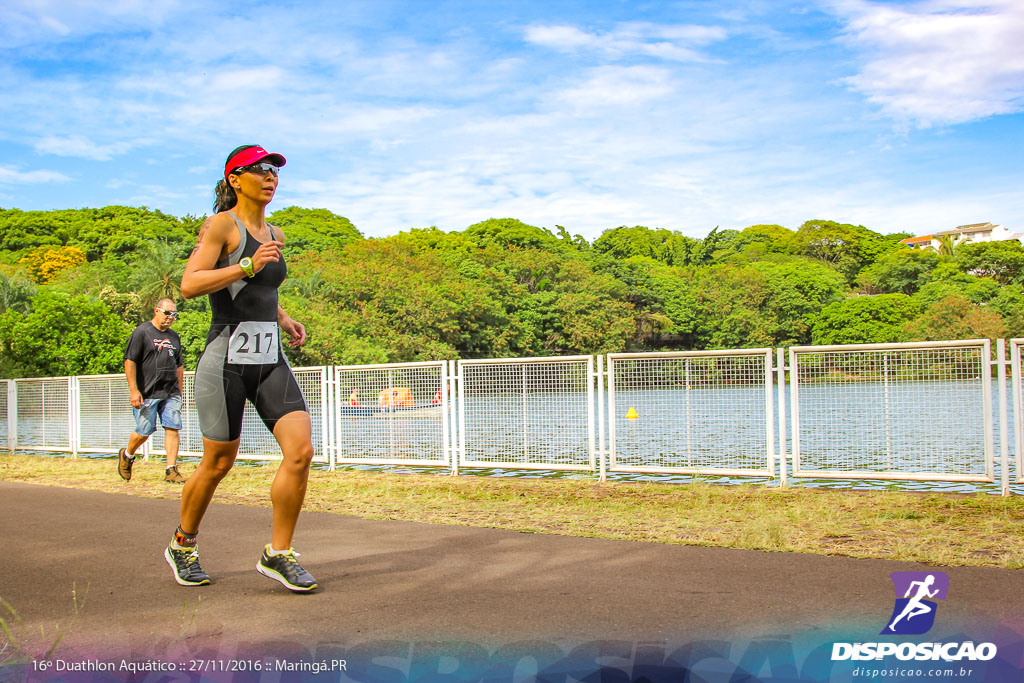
(865, 320)
(849, 248)
(112, 230)
(313, 230)
(667, 246)
(406, 302)
(157, 273)
(938, 290)
(798, 290)
(1008, 302)
(955, 318)
(703, 252)
(509, 232)
(731, 308)
(591, 314)
(902, 271)
(16, 292)
(1003, 261)
(62, 336)
(192, 326)
(948, 245)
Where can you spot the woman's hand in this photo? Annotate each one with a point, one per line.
(269, 252)
(293, 329)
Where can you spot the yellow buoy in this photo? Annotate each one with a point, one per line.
(631, 414)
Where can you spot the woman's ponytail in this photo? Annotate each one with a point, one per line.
(225, 197)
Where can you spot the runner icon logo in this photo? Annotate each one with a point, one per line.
(916, 592)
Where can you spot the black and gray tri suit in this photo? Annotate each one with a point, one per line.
(240, 362)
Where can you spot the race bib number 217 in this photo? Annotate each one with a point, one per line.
(253, 343)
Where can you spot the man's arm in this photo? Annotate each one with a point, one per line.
(181, 379)
(131, 374)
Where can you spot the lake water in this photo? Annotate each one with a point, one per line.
(914, 426)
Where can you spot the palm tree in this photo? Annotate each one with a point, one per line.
(16, 292)
(947, 245)
(157, 273)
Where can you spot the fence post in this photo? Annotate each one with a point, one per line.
(12, 415)
(325, 407)
(1018, 404)
(794, 409)
(1004, 444)
(780, 360)
(602, 470)
(74, 415)
(458, 417)
(769, 413)
(989, 417)
(445, 405)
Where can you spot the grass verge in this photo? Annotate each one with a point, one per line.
(931, 528)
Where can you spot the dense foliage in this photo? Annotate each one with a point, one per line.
(73, 283)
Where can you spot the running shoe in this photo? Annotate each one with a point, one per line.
(173, 476)
(124, 464)
(185, 563)
(286, 569)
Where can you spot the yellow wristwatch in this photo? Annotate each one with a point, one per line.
(246, 266)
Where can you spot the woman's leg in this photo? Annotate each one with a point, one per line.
(218, 457)
(294, 433)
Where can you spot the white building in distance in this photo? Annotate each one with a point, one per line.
(965, 234)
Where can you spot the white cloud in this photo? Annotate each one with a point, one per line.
(81, 147)
(672, 42)
(35, 22)
(614, 85)
(939, 62)
(9, 175)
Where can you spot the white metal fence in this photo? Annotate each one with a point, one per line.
(708, 412)
(919, 411)
(924, 412)
(531, 413)
(391, 414)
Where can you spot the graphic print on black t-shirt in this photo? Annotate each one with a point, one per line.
(157, 357)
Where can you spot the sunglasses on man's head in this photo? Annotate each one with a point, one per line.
(262, 168)
(169, 314)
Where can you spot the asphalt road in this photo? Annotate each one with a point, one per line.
(387, 585)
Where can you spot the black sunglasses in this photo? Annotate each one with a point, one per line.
(262, 168)
(169, 314)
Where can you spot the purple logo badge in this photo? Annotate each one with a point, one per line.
(916, 592)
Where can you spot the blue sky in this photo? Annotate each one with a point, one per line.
(899, 116)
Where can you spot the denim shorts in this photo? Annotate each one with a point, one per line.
(169, 410)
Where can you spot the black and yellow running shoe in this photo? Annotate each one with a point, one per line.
(185, 563)
(283, 567)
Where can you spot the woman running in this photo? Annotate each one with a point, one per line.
(237, 261)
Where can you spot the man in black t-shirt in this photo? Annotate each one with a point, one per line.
(153, 367)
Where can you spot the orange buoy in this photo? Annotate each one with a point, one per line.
(398, 397)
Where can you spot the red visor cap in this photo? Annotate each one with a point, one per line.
(251, 155)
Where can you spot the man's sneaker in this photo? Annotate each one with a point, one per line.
(286, 569)
(185, 563)
(173, 476)
(124, 464)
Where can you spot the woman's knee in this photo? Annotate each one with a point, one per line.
(218, 468)
(218, 459)
(299, 456)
